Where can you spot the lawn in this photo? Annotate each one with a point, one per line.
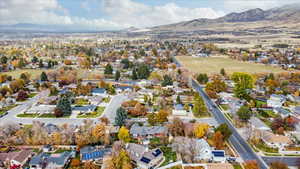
(5, 109)
(212, 65)
(260, 103)
(263, 147)
(81, 102)
(224, 107)
(50, 115)
(95, 114)
(237, 166)
(170, 156)
(25, 115)
(31, 95)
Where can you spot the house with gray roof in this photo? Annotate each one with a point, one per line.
(143, 157)
(138, 131)
(46, 160)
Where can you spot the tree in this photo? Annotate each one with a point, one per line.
(98, 132)
(167, 80)
(201, 130)
(178, 100)
(44, 77)
(75, 162)
(41, 64)
(90, 165)
(155, 77)
(224, 129)
(202, 78)
(199, 108)
(218, 140)
(244, 113)
(108, 70)
(126, 63)
(120, 117)
(134, 75)
(3, 60)
(176, 127)
(22, 95)
(117, 75)
(162, 116)
(34, 59)
(64, 105)
(243, 83)
(222, 72)
(124, 134)
(278, 165)
(58, 112)
(17, 85)
(119, 160)
(143, 71)
(251, 164)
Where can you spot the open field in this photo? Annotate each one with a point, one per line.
(35, 73)
(213, 65)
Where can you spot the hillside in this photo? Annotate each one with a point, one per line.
(283, 17)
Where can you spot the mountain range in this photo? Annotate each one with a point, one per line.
(285, 17)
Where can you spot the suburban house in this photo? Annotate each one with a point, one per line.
(179, 110)
(282, 112)
(275, 141)
(99, 92)
(90, 153)
(276, 100)
(84, 109)
(41, 109)
(46, 160)
(204, 151)
(218, 156)
(16, 158)
(143, 157)
(257, 124)
(123, 88)
(148, 132)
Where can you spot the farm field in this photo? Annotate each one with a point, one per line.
(213, 65)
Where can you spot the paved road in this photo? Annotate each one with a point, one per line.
(111, 110)
(290, 161)
(241, 146)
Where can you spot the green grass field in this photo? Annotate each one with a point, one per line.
(213, 65)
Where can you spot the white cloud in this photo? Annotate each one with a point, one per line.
(242, 5)
(131, 13)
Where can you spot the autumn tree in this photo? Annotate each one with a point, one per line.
(218, 140)
(90, 165)
(124, 134)
(22, 95)
(225, 131)
(17, 85)
(251, 164)
(98, 132)
(176, 127)
(200, 130)
(278, 165)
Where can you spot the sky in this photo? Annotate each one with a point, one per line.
(120, 14)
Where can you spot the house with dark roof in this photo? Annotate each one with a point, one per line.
(144, 158)
(147, 131)
(89, 153)
(46, 160)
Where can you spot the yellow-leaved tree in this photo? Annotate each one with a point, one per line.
(124, 134)
(201, 130)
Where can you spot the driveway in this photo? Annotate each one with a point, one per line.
(111, 110)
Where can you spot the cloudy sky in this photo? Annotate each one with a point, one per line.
(119, 14)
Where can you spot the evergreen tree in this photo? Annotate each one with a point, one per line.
(117, 75)
(44, 77)
(134, 75)
(34, 59)
(222, 72)
(64, 105)
(108, 70)
(41, 64)
(143, 71)
(121, 117)
(3, 60)
(167, 81)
